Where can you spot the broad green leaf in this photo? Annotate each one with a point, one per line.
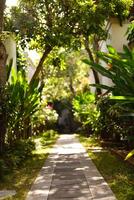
(127, 51)
(99, 68)
(102, 86)
(111, 50)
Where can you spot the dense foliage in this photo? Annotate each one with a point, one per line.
(58, 30)
(130, 34)
(22, 103)
(117, 65)
(115, 120)
(85, 111)
(65, 24)
(65, 72)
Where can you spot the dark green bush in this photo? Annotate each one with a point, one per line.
(116, 120)
(16, 156)
(19, 152)
(2, 168)
(23, 148)
(108, 126)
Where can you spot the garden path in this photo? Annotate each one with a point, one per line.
(69, 173)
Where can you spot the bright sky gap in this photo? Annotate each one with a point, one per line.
(10, 3)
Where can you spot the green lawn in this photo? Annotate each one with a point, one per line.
(21, 179)
(118, 174)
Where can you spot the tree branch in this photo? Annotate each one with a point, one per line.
(48, 49)
(96, 76)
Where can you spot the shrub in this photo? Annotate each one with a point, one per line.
(24, 147)
(14, 157)
(48, 137)
(19, 152)
(108, 122)
(85, 111)
(116, 120)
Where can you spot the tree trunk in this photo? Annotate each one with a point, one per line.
(3, 58)
(2, 8)
(3, 55)
(96, 76)
(96, 48)
(71, 87)
(48, 49)
(28, 128)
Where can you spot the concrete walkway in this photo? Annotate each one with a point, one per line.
(69, 173)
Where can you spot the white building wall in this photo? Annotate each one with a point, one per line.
(117, 38)
(10, 45)
(118, 34)
(32, 58)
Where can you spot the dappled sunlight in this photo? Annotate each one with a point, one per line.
(66, 69)
(68, 146)
(38, 192)
(82, 168)
(69, 173)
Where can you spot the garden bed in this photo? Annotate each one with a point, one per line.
(122, 155)
(21, 177)
(118, 149)
(115, 170)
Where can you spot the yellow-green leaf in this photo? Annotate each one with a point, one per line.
(130, 154)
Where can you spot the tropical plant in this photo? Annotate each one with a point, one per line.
(118, 68)
(85, 111)
(130, 34)
(116, 116)
(23, 101)
(110, 124)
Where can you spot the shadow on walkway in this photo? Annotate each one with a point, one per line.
(69, 173)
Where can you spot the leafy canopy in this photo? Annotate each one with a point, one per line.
(63, 23)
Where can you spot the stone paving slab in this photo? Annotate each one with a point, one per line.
(69, 173)
(78, 198)
(40, 188)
